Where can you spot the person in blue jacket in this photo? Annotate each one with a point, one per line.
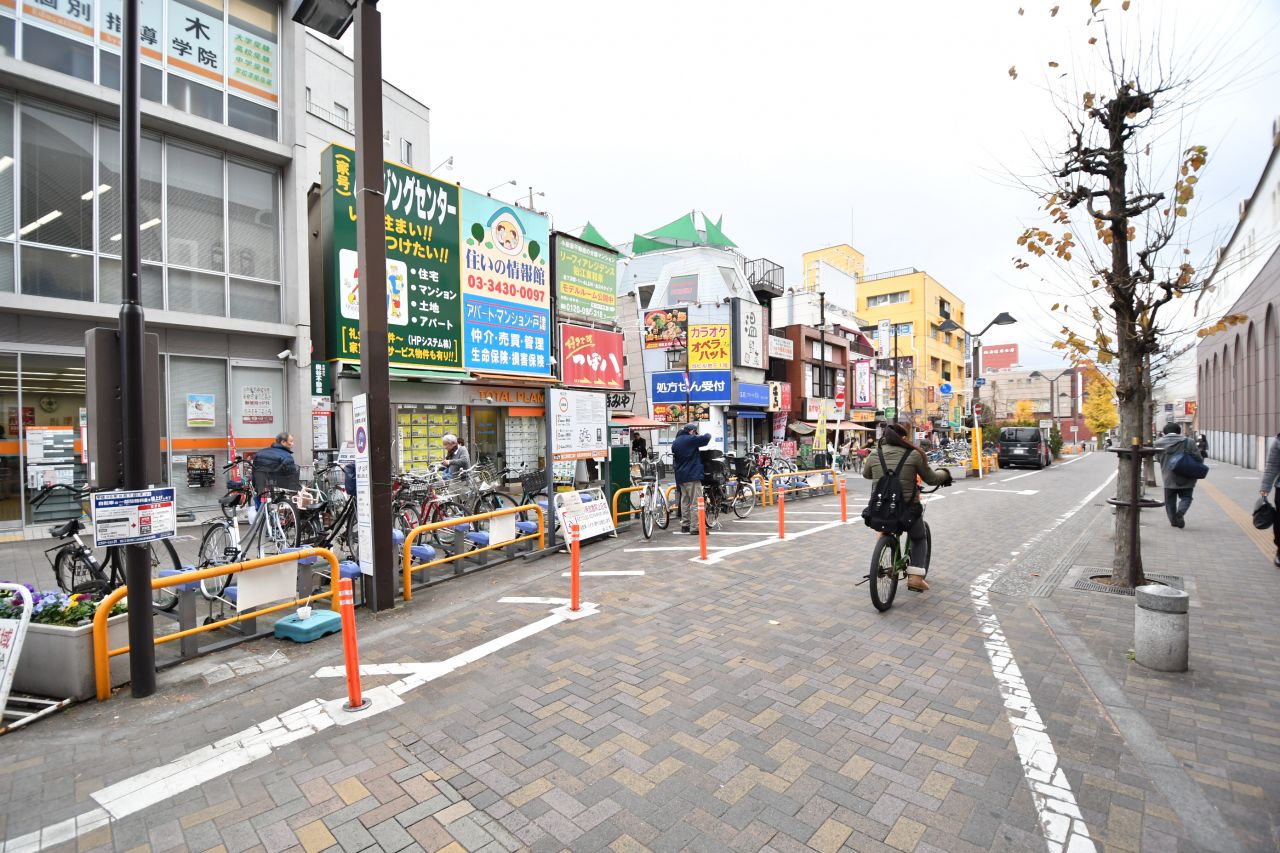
(688, 465)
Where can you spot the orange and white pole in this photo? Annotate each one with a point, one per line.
(347, 608)
(844, 507)
(702, 526)
(782, 514)
(575, 566)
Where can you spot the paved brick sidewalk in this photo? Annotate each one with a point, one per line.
(757, 703)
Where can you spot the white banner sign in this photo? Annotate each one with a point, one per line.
(364, 512)
(589, 508)
(579, 425)
(12, 632)
(125, 518)
(884, 337)
(862, 383)
(751, 333)
(781, 348)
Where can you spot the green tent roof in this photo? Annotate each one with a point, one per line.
(591, 235)
(641, 244)
(681, 229)
(716, 237)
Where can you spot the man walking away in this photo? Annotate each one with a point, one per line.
(275, 466)
(688, 464)
(1270, 478)
(1202, 442)
(1177, 489)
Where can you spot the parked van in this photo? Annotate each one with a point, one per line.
(1022, 446)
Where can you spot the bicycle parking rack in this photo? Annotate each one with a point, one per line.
(619, 493)
(189, 584)
(794, 488)
(478, 540)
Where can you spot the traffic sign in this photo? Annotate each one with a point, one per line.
(945, 389)
(980, 381)
(890, 412)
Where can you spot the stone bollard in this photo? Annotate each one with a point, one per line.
(1161, 628)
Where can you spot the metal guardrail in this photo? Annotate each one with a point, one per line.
(409, 567)
(102, 655)
(619, 493)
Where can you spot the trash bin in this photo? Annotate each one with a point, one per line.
(1161, 627)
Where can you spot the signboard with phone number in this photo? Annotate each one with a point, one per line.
(128, 518)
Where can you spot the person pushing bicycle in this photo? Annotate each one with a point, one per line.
(891, 449)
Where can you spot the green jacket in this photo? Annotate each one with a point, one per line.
(915, 466)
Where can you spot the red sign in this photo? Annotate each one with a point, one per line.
(591, 358)
(786, 397)
(1190, 408)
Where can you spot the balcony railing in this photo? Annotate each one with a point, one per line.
(331, 117)
(764, 274)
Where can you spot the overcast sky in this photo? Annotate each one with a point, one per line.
(894, 126)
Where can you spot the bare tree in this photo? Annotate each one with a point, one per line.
(1114, 181)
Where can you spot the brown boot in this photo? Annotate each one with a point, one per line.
(917, 583)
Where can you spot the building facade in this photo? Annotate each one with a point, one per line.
(1238, 371)
(915, 304)
(841, 258)
(1000, 356)
(223, 230)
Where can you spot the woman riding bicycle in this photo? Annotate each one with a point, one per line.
(894, 445)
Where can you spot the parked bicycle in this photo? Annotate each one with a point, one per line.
(78, 570)
(274, 527)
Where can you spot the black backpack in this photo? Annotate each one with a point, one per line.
(887, 510)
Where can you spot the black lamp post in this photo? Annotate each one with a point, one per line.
(332, 18)
(1053, 387)
(1004, 318)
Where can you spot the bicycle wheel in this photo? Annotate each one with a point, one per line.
(163, 555)
(71, 569)
(712, 510)
(661, 509)
(405, 518)
(215, 550)
(884, 573)
(928, 548)
(646, 512)
(284, 532)
(447, 537)
(744, 501)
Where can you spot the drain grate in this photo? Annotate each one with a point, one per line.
(1087, 585)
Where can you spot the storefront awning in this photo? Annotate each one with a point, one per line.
(746, 413)
(636, 422)
(505, 379)
(413, 373)
(801, 428)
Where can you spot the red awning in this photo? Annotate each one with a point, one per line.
(635, 422)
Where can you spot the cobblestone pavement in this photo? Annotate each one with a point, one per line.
(755, 702)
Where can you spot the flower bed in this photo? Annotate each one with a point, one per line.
(57, 654)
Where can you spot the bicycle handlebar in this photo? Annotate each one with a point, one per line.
(43, 494)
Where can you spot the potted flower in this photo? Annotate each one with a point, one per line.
(57, 655)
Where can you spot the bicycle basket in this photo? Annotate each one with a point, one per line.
(533, 482)
(741, 467)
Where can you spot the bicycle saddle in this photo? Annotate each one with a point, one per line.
(231, 499)
(62, 531)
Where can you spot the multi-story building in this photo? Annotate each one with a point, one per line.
(824, 267)
(1238, 370)
(224, 181)
(915, 304)
(1054, 393)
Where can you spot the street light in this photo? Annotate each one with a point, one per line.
(447, 164)
(1004, 318)
(510, 183)
(332, 17)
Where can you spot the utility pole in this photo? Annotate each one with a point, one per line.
(375, 379)
(132, 329)
(896, 411)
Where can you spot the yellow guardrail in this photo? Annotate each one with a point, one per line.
(620, 493)
(410, 567)
(102, 655)
(774, 491)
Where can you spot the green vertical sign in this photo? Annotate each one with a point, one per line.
(321, 386)
(420, 229)
(586, 280)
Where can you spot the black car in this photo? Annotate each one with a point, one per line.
(1022, 446)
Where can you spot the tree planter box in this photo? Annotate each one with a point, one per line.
(58, 662)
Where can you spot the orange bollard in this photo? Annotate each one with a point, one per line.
(782, 514)
(844, 508)
(575, 560)
(702, 526)
(346, 605)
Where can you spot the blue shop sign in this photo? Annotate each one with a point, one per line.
(705, 386)
(752, 394)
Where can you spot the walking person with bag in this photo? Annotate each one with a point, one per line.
(1180, 466)
(896, 456)
(688, 465)
(1271, 479)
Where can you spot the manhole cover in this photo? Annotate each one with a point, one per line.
(1093, 586)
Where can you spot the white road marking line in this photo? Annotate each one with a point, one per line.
(1061, 823)
(602, 574)
(727, 552)
(1018, 477)
(145, 789)
(1077, 459)
(517, 599)
(741, 533)
(670, 548)
(1008, 491)
(774, 521)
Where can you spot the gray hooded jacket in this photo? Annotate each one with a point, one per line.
(1169, 445)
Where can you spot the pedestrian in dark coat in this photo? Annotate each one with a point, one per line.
(1178, 490)
(688, 465)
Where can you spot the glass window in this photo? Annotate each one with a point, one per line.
(57, 53)
(406, 152)
(152, 77)
(341, 112)
(109, 283)
(57, 178)
(203, 376)
(192, 97)
(254, 300)
(254, 118)
(109, 196)
(6, 37)
(6, 168)
(195, 209)
(6, 268)
(197, 293)
(255, 221)
(65, 275)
